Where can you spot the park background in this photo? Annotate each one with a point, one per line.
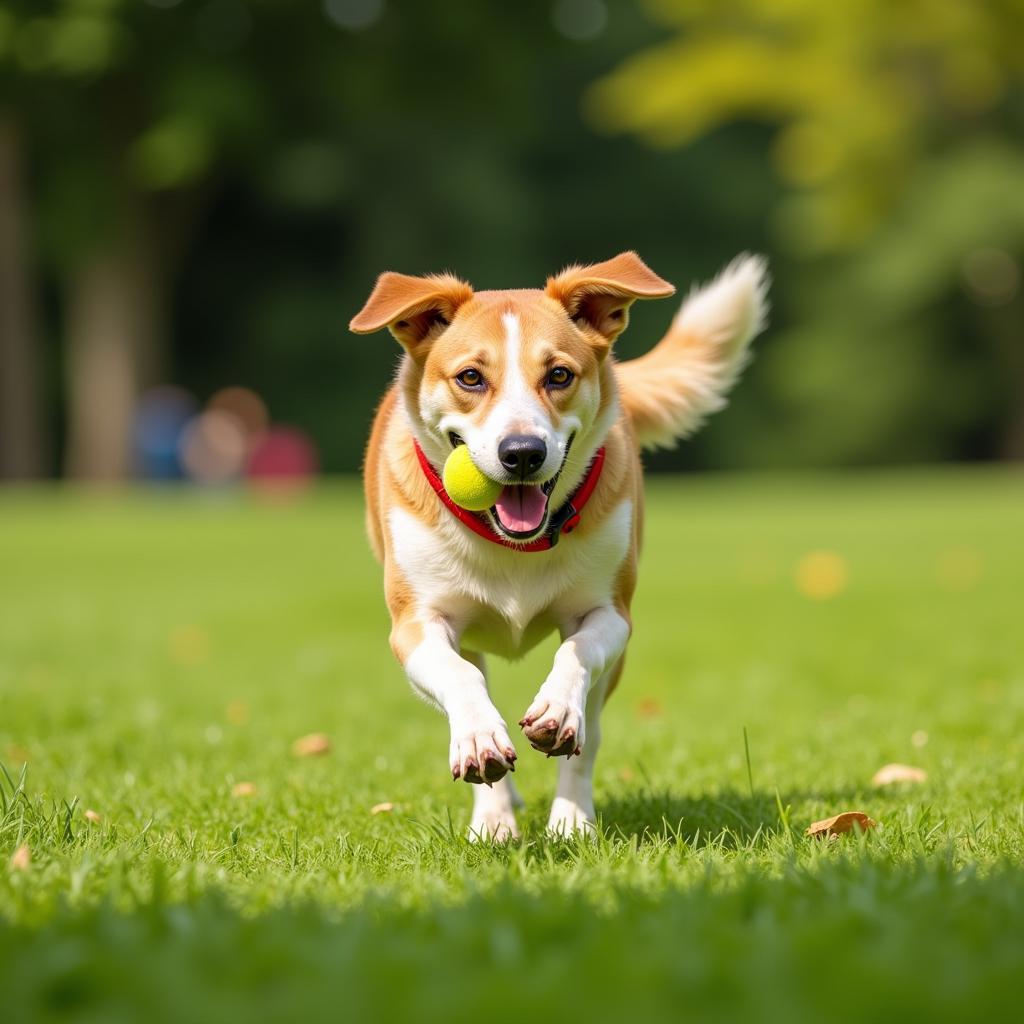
(218, 799)
(199, 195)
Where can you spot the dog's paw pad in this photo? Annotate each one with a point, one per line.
(555, 731)
(482, 757)
(543, 734)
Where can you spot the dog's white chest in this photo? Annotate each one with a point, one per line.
(506, 601)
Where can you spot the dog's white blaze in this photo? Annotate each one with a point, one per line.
(518, 411)
(514, 384)
(456, 574)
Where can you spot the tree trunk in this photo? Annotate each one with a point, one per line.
(114, 333)
(21, 433)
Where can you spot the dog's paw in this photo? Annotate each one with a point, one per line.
(554, 727)
(481, 752)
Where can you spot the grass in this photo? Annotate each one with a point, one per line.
(157, 648)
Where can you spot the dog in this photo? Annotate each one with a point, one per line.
(527, 379)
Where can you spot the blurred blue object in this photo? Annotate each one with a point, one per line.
(160, 420)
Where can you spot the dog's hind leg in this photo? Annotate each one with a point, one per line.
(494, 806)
(572, 811)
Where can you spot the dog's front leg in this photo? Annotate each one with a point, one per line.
(480, 750)
(563, 718)
(494, 815)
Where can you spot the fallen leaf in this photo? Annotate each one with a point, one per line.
(93, 816)
(384, 808)
(243, 789)
(21, 858)
(822, 575)
(313, 745)
(890, 773)
(839, 823)
(237, 712)
(188, 645)
(649, 707)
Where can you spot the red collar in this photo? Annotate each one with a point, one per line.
(565, 520)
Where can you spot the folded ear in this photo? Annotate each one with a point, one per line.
(411, 307)
(599, 296)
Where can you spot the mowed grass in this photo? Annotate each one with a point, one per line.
(159, 647)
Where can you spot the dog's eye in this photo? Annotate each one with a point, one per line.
(560, 377)
(470, 379)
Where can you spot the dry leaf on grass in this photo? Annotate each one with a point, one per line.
(839, 823)
(21, 858)
(822, 575)
(237, 712)
(94, 816)
(243, 789)
(890, 773)
(384, 808)
(313, 745)
(649, 707)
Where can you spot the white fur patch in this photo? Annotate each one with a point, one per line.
(517, 411)
(496, 593)
(733, 307)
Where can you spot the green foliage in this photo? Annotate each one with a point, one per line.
(861, 95)
(898, 134)
(280, 158)
(162, 647)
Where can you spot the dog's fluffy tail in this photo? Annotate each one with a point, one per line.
(670, 390)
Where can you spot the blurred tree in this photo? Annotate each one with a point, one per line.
(214, 184)
(899, 134)
(128, 111)
(21, 415)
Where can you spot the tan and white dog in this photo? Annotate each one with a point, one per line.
(526, 379)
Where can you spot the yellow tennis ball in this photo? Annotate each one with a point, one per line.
(466, 485)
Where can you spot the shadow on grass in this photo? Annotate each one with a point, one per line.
(728, 818)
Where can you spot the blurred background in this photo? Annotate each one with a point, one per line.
(196, 195)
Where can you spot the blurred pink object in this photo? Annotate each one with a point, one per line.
(283, 455)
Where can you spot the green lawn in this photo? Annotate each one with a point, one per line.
(157, 648)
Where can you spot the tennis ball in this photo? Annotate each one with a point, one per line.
(466, 485)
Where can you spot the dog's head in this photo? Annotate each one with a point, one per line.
(521, 377)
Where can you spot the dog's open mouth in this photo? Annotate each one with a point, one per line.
(521, 508)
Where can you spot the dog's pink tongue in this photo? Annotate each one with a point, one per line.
(520, 509)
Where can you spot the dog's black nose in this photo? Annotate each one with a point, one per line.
(522, 454)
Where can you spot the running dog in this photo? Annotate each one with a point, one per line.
(527, 380)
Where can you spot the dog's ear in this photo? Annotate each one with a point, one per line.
(599, 296)
(414, 309)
